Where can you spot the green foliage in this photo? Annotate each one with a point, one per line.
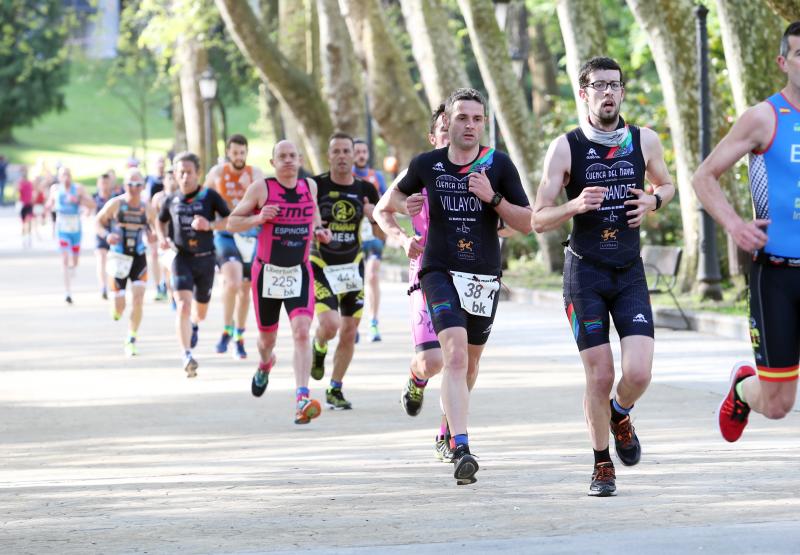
(33, 60)
(162, 22)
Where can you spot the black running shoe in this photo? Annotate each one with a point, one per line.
(603, 480)
(193, 340)
(412, 397)
(335, 399)
(259, 384)
(629, 450)
(465, 466)
(317, 361)
(68, 299)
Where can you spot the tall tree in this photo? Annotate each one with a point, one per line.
(513, 117)
(292, 23)
(192, 60)
(34, 63)
(584, 38)
(751, 34)
(541, 64)
(397, 109)
(787, 9)
(440, 67)
(290, 84)
(671, 34)
(341, 75)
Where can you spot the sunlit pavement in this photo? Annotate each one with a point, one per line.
(103, 454)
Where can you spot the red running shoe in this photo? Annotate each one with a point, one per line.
(733, 411)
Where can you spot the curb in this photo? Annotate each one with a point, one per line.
(723, 325)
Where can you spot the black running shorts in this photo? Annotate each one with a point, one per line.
(775, 321)
(592, 292)
(445, 309)
(194, 273)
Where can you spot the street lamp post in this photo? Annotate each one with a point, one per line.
(208, 92)
(708, 273)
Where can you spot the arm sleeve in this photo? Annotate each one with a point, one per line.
(510, 185)
(411, 183)
(163, 214)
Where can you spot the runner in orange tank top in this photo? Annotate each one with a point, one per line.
(235, 251)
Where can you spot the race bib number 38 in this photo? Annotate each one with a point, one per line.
(476, 292)
(344, 278)
(281, 282)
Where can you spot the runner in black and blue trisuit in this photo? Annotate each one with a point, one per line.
(603, 165)
(125, 223)
(469, 188)
(194, 213)
(767, 132)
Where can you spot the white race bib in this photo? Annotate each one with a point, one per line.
(246, 246)
(344, 278)
(69, 223)
(165, 258)
(119, 265)
(281, 282)
(476, 292)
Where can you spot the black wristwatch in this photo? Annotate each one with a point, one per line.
(658, 201)
(496, 199)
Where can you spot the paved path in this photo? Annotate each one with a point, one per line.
(101, 454)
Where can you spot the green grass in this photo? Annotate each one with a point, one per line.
(96, 131)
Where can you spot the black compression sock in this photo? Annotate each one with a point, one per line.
(601, 456)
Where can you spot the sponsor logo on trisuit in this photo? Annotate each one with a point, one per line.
(438, 166)
(640, 319)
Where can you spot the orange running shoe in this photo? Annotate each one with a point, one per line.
(307, 410)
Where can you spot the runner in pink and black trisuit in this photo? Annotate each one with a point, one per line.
(285, 207)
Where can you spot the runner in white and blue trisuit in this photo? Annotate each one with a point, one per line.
(767, 133)
(65, 201)
(602, 166)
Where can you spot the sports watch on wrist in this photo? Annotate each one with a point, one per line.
(658, 201)
(496, 199)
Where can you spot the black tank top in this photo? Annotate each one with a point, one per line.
(603, 235)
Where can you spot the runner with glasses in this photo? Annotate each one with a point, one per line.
(602, 166)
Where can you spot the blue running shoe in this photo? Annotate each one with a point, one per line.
(240, 353)
(222, 346)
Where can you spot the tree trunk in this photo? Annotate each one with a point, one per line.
(670, 26)
(513, 117)
(787, 9)
(290, 85)
(541, 64)
(193, 60)
(292, 32)
(178, 123)
(750, 32)
(401, 115)
(269, 113)
(341, 76)
(440, 66)
(583, 39)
